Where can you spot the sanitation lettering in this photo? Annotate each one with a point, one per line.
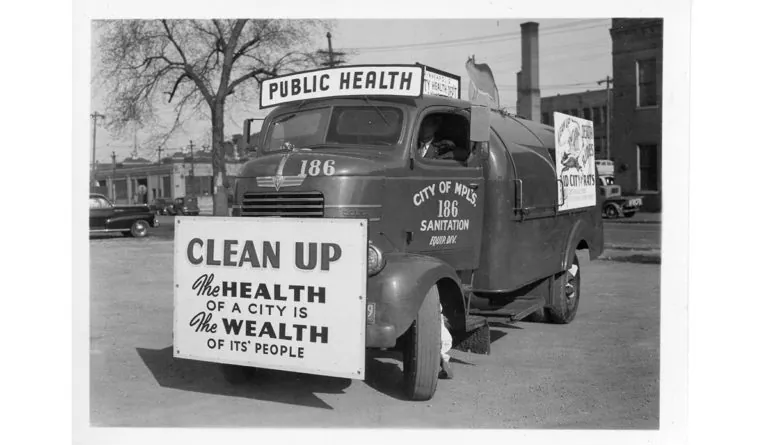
(448, 218)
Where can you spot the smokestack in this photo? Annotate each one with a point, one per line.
(529, 94)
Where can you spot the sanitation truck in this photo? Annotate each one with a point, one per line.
(341, 208)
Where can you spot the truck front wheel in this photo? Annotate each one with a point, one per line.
(421, 354)
(567, 289)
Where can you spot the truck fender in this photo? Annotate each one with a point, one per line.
(574, 241)
(400, 288)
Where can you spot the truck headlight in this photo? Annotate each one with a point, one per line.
(376, 260)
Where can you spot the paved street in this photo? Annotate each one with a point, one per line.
(601, 371)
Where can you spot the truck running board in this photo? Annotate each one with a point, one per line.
(516, 310)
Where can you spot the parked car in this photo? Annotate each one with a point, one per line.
(106, 217)
(184, 206)
(615, 205)
(160, 206)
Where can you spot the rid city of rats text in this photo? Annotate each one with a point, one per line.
(258, 317)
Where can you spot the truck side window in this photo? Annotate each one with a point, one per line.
(444, 136)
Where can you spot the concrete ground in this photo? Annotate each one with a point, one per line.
(599, 372)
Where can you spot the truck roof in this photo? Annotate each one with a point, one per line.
(539, 137)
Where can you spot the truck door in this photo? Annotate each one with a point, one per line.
(444, 203)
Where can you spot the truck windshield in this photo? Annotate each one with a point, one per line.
(363, 125)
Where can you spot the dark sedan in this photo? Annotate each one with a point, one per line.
(105, 217)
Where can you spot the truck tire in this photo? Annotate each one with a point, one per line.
(611, 211)
(566, 299)
(421, 352)
(139, 229)
(237, 375)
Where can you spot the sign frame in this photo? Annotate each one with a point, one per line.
(584, 152)
(428, 68)
(361, 301)
(383, 65)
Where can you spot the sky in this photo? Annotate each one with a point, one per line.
(573, 56)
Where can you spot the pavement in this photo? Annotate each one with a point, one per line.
(639, 218)
(599, 372)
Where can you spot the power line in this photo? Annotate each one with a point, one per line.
(482, 39)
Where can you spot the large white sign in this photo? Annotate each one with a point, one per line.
(369, 80)
(440, 83)
(278, 293)
(575, 156)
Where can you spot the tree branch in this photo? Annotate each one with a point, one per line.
(187, 67)
(176, 85)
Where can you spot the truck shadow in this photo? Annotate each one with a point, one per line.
(384, 376)
(268, 385)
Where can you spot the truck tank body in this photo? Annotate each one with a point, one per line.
(524, 235)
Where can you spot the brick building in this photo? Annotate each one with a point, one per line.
(636, 114)
(590, 105)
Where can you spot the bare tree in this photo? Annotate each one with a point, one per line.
(196, 65)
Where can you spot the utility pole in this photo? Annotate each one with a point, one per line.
(114, 174)
(159, 154)
(608, 81)
(334, 58)
(94, 116)
(192, 174)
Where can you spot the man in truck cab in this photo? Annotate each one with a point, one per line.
(433, 145)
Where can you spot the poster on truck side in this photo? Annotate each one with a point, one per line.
(575, 162)
(278, 293)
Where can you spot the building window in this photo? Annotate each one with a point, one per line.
(648, 167)
(574, 113)
(166, 191)
(586, 114)
(604, 114)
(646, 83)
(596, 116)
(545, 118)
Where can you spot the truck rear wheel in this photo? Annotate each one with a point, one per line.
(421, 353)
(567, 289)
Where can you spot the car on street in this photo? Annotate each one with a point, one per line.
(106, 217)
(186, 206)
(616, 205)
(160, 206)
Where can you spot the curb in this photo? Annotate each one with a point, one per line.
(628, 221)
(631, 255)
(630, 247)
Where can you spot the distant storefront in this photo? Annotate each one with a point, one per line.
(143, 182)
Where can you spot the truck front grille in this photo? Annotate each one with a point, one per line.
(293, 204)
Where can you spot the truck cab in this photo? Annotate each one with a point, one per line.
(473, 231)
